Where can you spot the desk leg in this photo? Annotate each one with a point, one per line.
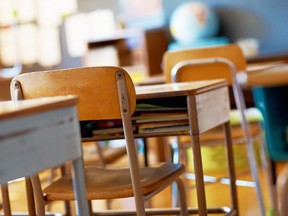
(145, 152)
(30, 196)
(199, 177)
(79, 187)
(158, 145)
(6, 200)
(197, 158)
(231, 167)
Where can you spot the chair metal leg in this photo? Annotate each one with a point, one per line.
(5, 200)
(145, 152)
(240, 103)
(30, 197)
(175, 150)
(174, 195)
(231, 167)
(175, 160)
(40, 203)
(199, 181)
(90, 207)
(100, 154)
(270, 179)
(79, 187)
(67, 207)
(282, 188)
(255, 176)
(182, 197)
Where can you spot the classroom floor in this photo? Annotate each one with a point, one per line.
(217, 195)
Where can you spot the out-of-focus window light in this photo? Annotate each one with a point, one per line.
(49, 46)
(82, 27)
(51, 12)
(6, 12)
(67, 7)
(28, 42)
(48, 12)
(26, 10)
(142, 13)
(104, 55)
(29, 30)
(8, 49)
(101, 19)
(76, 32)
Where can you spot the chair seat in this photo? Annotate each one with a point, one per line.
(252, 115)
(114, 183)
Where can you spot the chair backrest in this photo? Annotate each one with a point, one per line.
(96, 88)
(219, 62)
(103, 93)
(209, 69)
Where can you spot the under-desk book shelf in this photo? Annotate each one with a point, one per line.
(151, 118)
(148, 120)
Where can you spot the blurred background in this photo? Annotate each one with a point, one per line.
(38, 34)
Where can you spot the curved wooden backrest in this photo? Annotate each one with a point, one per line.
(204, 71)
(96, 88)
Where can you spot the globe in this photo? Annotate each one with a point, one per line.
(193, 20)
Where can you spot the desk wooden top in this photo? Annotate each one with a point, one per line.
(261, 74)
(14, 109)
(275, 75)
(114, 37)
(177, 89)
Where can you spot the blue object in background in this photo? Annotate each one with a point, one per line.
(194, 25)
(193, 20)
(215, 41)
(265, 20)
(273, 103)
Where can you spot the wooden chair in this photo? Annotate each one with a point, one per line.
(29, 134)
(100, 155)
(104, 93)
(214, 63)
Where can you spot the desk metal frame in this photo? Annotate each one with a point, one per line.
(208, 106)
(35, 135)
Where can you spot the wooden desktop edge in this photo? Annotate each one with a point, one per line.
(34, 106)
(178, 89)
(159, 91)
(257, 74)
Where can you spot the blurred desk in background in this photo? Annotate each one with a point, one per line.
(269, 75)
(270, 91)
(266, 58)
(136, 47)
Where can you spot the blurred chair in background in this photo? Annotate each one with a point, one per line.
(215, 63)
